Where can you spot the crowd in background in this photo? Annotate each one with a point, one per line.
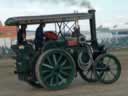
(121, 42)
(6, 51)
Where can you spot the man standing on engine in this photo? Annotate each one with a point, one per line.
(21, 35)
(39, 36)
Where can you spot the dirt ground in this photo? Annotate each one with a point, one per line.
(11, 86)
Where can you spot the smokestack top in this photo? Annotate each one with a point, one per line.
(91, 11)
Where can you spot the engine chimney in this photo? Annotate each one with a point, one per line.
(93, 27)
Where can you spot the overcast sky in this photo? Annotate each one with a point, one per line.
(108, 12)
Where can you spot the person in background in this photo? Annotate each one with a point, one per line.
(21, 35)
(39, 36)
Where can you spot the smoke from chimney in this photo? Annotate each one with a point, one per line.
(78, 3)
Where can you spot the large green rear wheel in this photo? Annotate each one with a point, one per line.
(55, 69)
(110, 68)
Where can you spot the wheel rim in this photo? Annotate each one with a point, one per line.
(56, 70)
(108, 69)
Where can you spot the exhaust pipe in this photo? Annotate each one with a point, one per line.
(93, 27)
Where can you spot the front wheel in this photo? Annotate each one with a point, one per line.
(110, 68)
(55, 69)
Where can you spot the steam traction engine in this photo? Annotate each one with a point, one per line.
(62, 57)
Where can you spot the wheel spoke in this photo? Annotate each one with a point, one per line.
(113, 68)
(48, 66)
(112, 65)
(106, 75)
(64, 62)
(112, 74)
(61, 78)
(48, 76)
(51, 81)
(59, 59)
(56, 79)
(45, 71)
(54, 59)
(66, 68)
(64, 73)
(103, 77)
(49, 60)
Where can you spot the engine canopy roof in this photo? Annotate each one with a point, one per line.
(47, 18)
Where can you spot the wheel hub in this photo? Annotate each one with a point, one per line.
(57, 69)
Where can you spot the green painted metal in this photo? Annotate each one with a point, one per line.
(54, 44)
(108, 68)
(55, 69)
(23, 59)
